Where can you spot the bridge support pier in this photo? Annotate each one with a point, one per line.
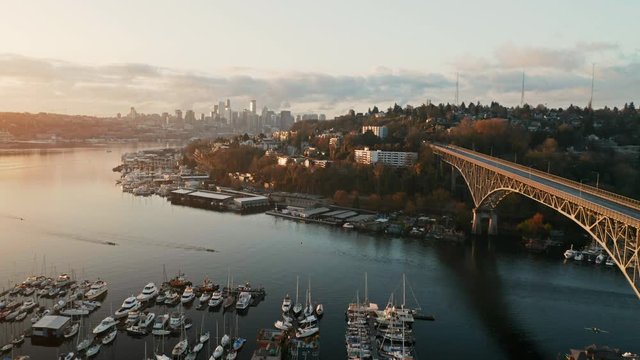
(493, 223)
(478, 216)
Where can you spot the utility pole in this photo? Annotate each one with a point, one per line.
(457, 87)
(522, 94)
(593, 73)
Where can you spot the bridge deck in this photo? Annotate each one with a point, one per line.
(594, 198)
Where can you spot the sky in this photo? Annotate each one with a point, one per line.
(100, 58)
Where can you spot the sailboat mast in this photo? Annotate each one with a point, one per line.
(404, 296)
(366, 293)
(297, 281)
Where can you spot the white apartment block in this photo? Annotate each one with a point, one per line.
(390, 158)
(379, 131)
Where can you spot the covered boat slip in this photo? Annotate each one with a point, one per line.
(51, 326)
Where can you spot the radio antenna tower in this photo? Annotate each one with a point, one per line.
(522, 93)
(457, 87)
(593, 73)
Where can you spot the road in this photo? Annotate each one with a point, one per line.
(596, 199)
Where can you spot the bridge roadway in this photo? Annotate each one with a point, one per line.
(634, 213)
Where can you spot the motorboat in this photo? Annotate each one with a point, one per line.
(6, 348)
(162, 296)
(97, 289)
(63, 280)
(570, 253)
(133, 317)
(238, 343)
(197, 348)
(204, 298)
(319, 309)
(282, 325)
(93, 350)
(244, 300)
(578, 256)
(160, 322)
(176, 320)
(172, 298)
(308, 331)
(28, 305)
(54, 291)
(179, 281)
(348, 225)
(600, 258)
(12, 315)
(609, 262)
(180, 347)
(146, 319)
(129, 304)
(188, 295)
(216, 299)
(71, 331)
(148, 292)
(286, 304)
(84, 344)
(231, 355)
(60, 305)
(68, 356)
(18, 340)
(28, 291)
(21, 316)
(106, 324)
(110, 337)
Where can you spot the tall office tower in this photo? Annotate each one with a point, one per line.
(227, 104)
(252, 106)
(221, 109)
(179, 114)
(215, 110)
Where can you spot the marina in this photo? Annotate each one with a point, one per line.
(480, 292)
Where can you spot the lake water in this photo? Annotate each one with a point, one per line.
(490, 302)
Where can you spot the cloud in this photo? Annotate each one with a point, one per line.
(557, 77)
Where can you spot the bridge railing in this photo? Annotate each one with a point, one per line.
(623, 200)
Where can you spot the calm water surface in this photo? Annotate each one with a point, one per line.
(489, 303)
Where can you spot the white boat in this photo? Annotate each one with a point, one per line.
(204, 298)
(129, 304)
(308, 331)
(161, 322)
(348, 225)
(308, 310)
(188, 295)
(96, 290)
(148, 292)
(231, 355)
(225, 340)
(216, 299)
(244, 300)
(63, 280)
(286, 304)
(146, 319)
(282, 325)
(110, 337)
(319, 309)
(28, 305)
(600, 259)
(20, 316)
(217, 353)
(578, 256)
(180, 347)
(93, 350)
(133, 317)
(198, 347)
(176, 320)
(71, 331)
(68, 356)
(106, 324)
(84, 344)
(609, 262)
(204, 337)
(171, 298)
(570, 253)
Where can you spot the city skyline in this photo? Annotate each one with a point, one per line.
(158, 56)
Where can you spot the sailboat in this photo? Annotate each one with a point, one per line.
(308, 311)
(84, 344)
(183, 344)
(297, 307)
(219, 350)
(238, 342)
(230, 299)
(225, 338)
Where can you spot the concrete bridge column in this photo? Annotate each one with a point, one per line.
(475, 225)
(493, 223)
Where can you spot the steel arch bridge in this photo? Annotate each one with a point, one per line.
(612, 220)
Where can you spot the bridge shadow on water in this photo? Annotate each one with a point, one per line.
(479, 279)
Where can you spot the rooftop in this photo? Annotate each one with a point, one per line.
(52, 322)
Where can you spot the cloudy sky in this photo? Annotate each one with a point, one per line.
(99, 58)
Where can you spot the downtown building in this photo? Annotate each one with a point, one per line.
(389, 158)
(379, 131)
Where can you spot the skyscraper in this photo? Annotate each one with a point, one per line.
(227, 105)
(252, 106)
